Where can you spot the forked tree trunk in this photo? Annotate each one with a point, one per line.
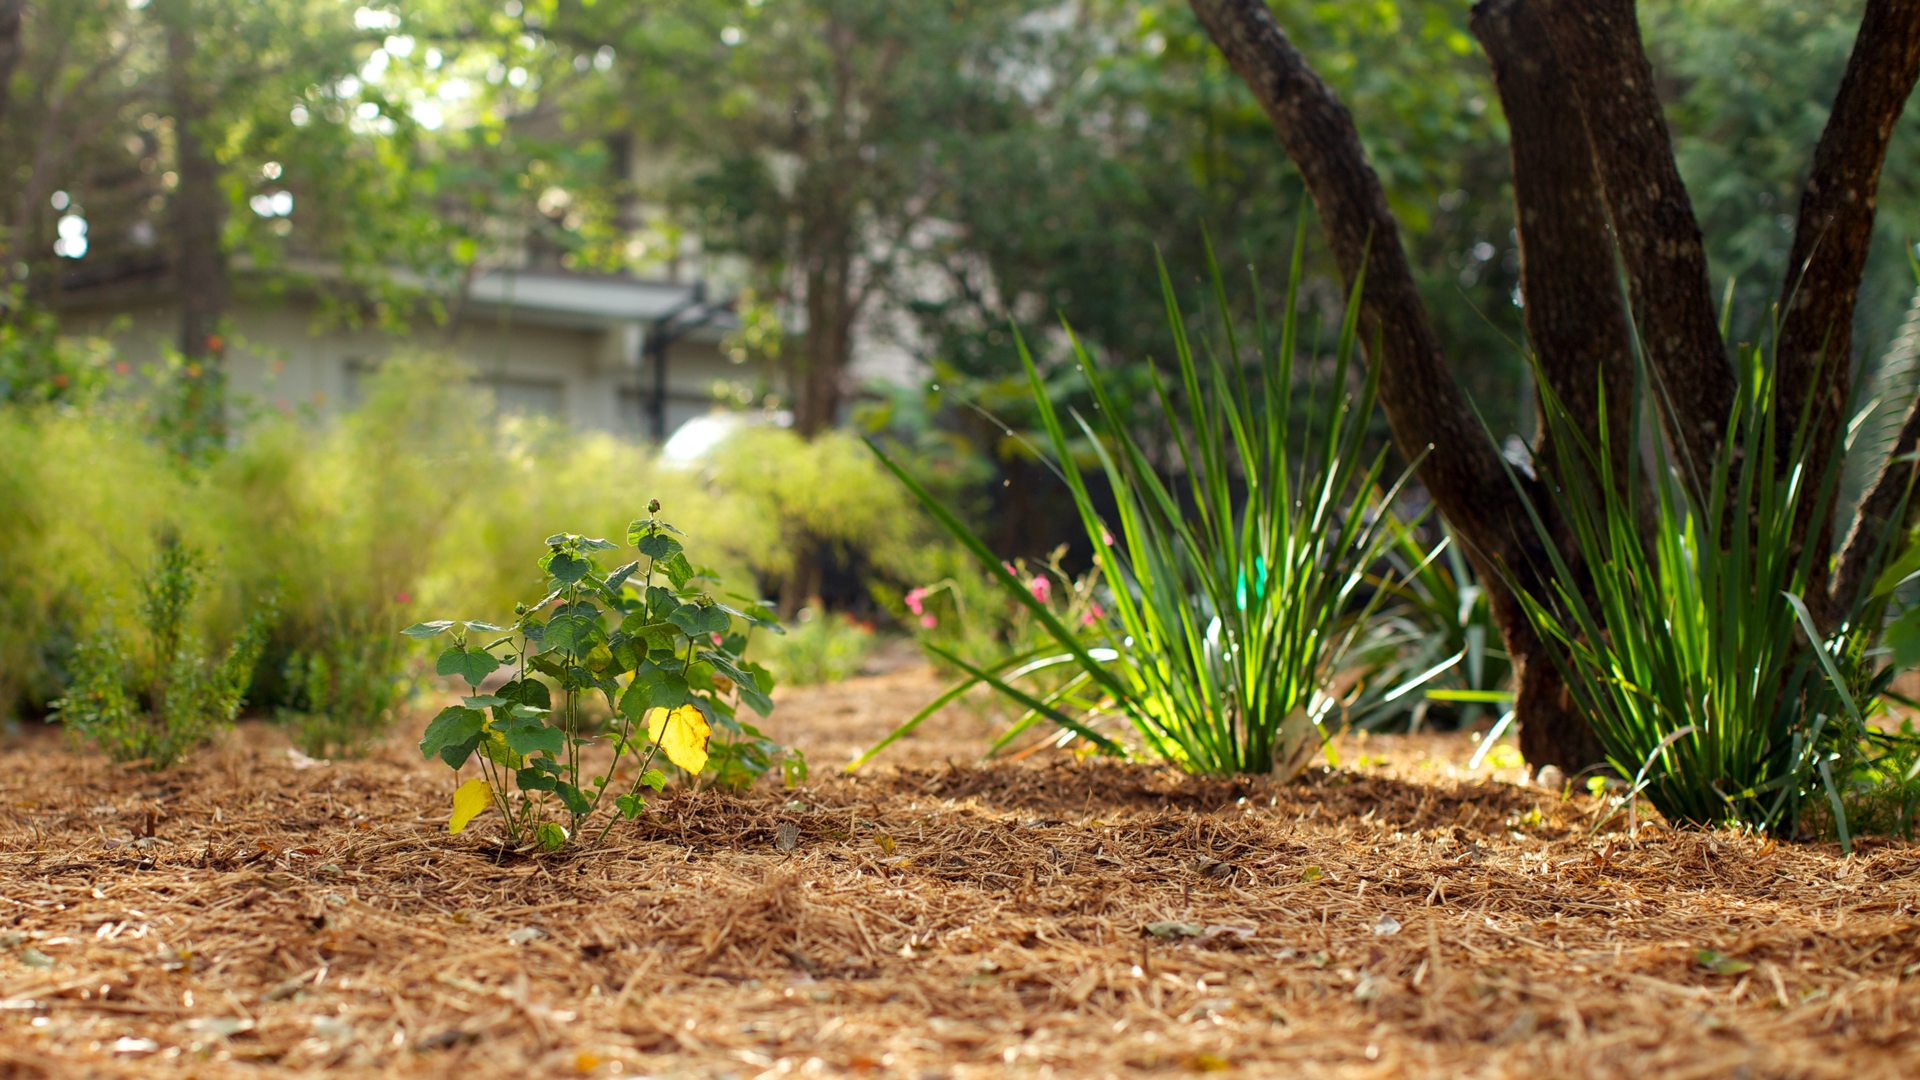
(1594, 180)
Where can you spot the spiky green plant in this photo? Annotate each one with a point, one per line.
(1694, 655)
(1236, 570)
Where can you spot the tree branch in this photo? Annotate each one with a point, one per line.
(1598, 43)
(1815, 347)
(1837, 207)
(1424, 406)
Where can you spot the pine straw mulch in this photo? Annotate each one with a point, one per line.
(240, 916)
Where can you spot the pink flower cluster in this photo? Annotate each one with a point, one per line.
(1094, 611)
(916, 602)
(1038, 585)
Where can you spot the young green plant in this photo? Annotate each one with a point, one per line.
(648, 638)
(153, 705)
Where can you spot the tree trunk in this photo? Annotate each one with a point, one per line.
(828, 340)
(199, 216)
(1815, 347)
(828, 255)
(1591, 153)
(10, 46)
(1658, 238)
(1570, 302)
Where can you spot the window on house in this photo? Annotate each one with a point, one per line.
(526, 397)
(634, 412)
(359, 373)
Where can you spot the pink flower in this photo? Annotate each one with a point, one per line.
(1094, 611)
(1040, 587)
(929, 621)
(403, 597)
(915, 599)
(716, 639)
(1105, 536)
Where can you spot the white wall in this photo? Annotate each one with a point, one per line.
(278, 360)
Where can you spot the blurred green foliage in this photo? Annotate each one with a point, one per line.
(411, 503)
(820, 648)
(151, 703)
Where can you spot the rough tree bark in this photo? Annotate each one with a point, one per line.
(1594, 180)
(1598, 42)
(1830, 242)
(1571, 307)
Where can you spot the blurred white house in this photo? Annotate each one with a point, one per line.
(613, 353)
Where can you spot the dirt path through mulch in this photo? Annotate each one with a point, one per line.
(1400, 917)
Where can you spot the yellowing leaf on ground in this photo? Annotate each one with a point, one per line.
(469, 801)
(1720, 963)
(683, 734)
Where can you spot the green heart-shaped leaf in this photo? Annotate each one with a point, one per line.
(699, 621)
(453, 734)
(472, 665)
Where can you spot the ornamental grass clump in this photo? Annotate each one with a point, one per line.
(1235, 572)
(1695, 654)
(652, 623)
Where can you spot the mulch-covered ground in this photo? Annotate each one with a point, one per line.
(928, 918)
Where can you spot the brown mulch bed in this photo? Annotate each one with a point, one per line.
(241, 916)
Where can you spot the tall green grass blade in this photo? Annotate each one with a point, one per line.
(1238, 568)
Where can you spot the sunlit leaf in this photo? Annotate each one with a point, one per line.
(472, 799)
(682, 733)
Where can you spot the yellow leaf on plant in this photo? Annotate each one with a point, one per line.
(683, 734)
(886, 842)
(469, 802)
